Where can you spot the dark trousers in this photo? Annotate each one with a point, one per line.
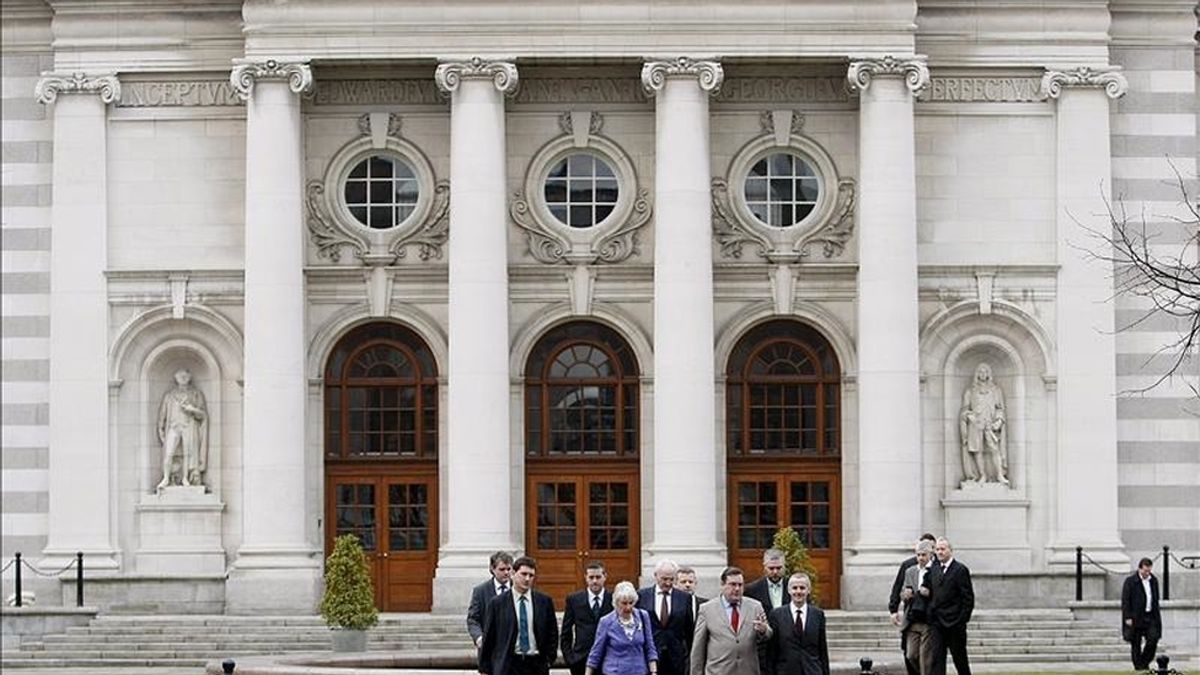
(527, 665)
(578, 668)
(954, 639)
(1143, 655)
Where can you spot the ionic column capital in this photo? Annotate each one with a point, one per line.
(245, 73)
(914, 71)
(52, 84)
(1104, 77)
(709, 74)
(503, 74)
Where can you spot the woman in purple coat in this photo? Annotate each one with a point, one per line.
(624, 644)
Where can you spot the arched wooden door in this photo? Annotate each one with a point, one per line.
(381, 421)
(581, 465)
(783, 445)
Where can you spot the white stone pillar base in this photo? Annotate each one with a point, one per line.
(274, 581)
(179, 531)
(459, 570)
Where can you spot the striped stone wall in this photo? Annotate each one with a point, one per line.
(25, 304)
(1154, 127)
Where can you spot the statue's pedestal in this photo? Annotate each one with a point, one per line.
(988, 525)
(180, 533)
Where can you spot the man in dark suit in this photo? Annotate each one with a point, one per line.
(798, 645)
(685, 579)
(671, 619)
(501, 568)
(580, 616)
(1141, 618)
(951, 600)
(894, 601)
(769, 590)
(520, 630)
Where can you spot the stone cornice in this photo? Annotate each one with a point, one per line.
(1114, 83)
(709, 74)
(914, 71)
(503, 74)
(245, 73)
(52, 84)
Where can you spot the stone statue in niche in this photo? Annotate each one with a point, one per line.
(183, 432)
(981, 426)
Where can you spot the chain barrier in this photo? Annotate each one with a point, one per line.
(7, 565)
(31, 568)
(1119, 573)
(1190, 562)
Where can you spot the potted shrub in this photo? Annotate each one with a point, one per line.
(348, 605)
(795, 559)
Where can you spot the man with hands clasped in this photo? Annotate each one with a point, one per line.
(728, 630)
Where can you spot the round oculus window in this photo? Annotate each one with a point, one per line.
(581, 190)
(782, 189)
(381, 191)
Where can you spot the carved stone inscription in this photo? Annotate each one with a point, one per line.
(581, 90)
(204, 93)
(784, 89)
(982, 89)
(371, 92)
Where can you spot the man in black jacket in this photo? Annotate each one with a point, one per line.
(1141, 618)
(951, 601)
(520, 630)
(894, 601)
(581, 615)
(501, 568)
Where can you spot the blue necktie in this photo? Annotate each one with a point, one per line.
(596, 605)
(522, 627)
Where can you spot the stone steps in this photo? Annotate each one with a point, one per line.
(116, 641)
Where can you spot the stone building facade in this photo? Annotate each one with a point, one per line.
(612, 280)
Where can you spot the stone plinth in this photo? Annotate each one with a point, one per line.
(988, 524)
(180, 533)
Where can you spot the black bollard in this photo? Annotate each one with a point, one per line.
(1163, 662)
(1078, 573)
(79, 579)
(865, 663)
(1166, 589)
(17, 578)
(227, 666)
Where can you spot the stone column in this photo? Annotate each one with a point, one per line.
(889, 412)
(277, 567)
(479, 516)
(81, 468)
(1086, 510)
(685, 473)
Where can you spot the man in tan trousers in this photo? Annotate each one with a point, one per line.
(728, 630)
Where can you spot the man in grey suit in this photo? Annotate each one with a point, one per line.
(500, 564)
(728, 630)
(798, 644)
(914, 612)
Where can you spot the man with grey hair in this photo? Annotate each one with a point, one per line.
(769, 591)
(671, 619)
(914, 612)
(951, 601)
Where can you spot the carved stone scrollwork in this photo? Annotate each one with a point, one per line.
(766, 119)
(731, 232)
(434, 230)
(1114, 83)
(567, 124)
(328, 237)
(52, 84)
(394, 124)
(503, 74)
(246, 73)
(837, 229)
(914, 71)
(709, 74)
(545, 245)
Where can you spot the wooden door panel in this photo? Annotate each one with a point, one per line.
(573, 518)
(395, 519)
(809, 500)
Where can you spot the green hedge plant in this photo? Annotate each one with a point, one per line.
(795, 559)
(349, 600)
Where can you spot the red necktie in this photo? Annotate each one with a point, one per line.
(733, 618)
(799, 623)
